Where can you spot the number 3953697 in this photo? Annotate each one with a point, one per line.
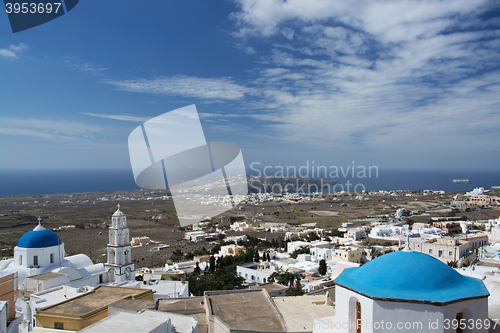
(32, 8)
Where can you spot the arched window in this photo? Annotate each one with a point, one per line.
(111, 275)
(460, 316)
(358, 317)
(465, 315)
(354, 315)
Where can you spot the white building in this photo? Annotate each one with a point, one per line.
(242, 226)
(119, 266)
(41, 251)
(231, 250)
(406, 291)
(255, 272)
(167, 288)
(386, 230)
(30, 305)
(476, 191)
(292, 246)
(319, 253)
(145, 322)
(355, 234)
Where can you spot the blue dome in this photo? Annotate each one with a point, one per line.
(39, 237)
(410, 276)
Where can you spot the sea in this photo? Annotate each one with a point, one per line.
(40, 182)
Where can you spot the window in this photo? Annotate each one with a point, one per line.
(52, 258)
(58, 325)
(358, 317)
(253, 277)
(20, 260)
(430, 251)
(440, 253)
(35, 260)
(450, 254)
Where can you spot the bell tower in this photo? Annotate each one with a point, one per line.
(119, 266)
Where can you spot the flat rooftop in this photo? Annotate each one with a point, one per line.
(126, 322)
(131, 305)
(192, 306)
(100, 297)
(303, 309)
(245, 310)
(188, 305)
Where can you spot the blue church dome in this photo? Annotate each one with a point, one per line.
(410, 276)
(39, 237)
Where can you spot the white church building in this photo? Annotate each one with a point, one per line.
(406, 291)
(41, 251)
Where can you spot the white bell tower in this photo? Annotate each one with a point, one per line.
(119, 266)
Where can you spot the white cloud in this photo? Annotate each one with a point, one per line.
(245, 48)
(53, 130)
(394, 74)
(288, 33)
(13, 51)
(81, 66)
(118, 117)
(204, 88)
(20, 47)
(8, 54)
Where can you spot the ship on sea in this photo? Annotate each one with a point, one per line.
(461, 181)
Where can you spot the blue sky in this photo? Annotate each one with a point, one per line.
(396, 84)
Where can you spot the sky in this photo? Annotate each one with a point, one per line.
(393, 84)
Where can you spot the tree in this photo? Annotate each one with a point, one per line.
(215, 249)
(296, 290)
(285, 278)
(300, 250)
(212, 264)
(313, 237)
(322, 267)
(256, 257)
(268, 257)
(176, 255)
(374, 253)
(197, 269)
(452, 264)
(220, 262)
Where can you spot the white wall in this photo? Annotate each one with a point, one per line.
(345, 301)
(247, 273)
(385, 316)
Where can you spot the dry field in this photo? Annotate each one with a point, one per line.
(19, 215)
